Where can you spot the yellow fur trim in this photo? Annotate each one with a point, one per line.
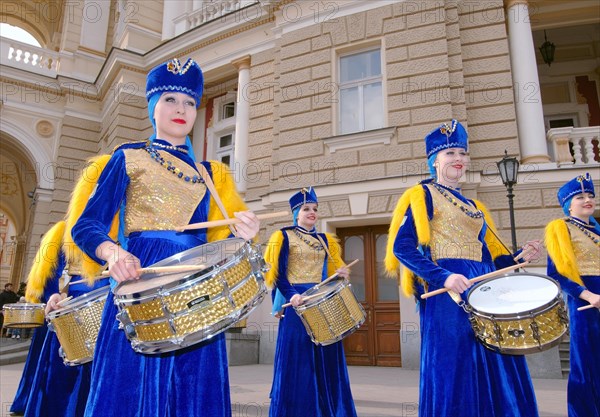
(415, 198)
(495, 247)
(45, 263)
(407, 281)
(272, 258)
(84, 188)
(560, 249)
(233, 202)
(336, 254)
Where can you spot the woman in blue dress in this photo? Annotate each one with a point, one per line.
(309, 380)
(573, 245)
(42, 282)
(445, 239)
(58, 389)
(150, 189)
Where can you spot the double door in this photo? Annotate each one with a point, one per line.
(377, 341)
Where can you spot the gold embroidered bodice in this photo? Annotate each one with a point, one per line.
(454, 235)
(587, 253)
(156, 198)
(305, 261)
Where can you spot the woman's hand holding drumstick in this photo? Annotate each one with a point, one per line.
(531, 251)
(55, 301)
(343, 271)
(592, 298)
(474, 280)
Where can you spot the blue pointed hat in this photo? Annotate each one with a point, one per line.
(578, 185)
(305, 195)
(173, 77)
(448, 135)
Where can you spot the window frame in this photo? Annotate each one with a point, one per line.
(361, 87)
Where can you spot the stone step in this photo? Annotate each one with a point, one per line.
(14, 351)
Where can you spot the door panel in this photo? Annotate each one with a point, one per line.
(377, 341)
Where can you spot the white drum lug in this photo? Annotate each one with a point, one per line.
(124, 320)
(129, 331)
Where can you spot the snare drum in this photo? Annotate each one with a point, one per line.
(163, 312)
(331, 312)
(77, 325)
(518, 313)
(23, 315)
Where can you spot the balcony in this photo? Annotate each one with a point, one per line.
(209, 10)
(29, 58)
(574, 145)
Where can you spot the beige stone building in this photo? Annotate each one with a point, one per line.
(334, 94)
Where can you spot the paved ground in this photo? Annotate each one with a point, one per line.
(378, 392)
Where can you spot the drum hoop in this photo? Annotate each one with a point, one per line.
(521, 314)
(80, 302)
(24, 306)
(180, 284)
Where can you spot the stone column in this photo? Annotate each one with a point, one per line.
(528, 99)
(40, 220)
(94, 25)
(171, 10)
(242, 122)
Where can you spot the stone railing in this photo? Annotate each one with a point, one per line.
(211, 10)
(29, 58)
(575, 145)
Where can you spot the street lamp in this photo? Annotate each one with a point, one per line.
(509, 170)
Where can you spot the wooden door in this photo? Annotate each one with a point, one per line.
(377, 341)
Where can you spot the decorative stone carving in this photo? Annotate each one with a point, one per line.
(44, 128)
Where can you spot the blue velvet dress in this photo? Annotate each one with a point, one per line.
(35, 349)
(309, 380)
(188, 382)
(458, 375)
(583, 389)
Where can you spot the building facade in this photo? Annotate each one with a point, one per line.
(333, 94)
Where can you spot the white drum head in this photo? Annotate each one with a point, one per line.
(513, 293)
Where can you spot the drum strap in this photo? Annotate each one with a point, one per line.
(211, 187)
(326, 249)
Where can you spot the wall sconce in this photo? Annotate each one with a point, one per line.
(547, 50)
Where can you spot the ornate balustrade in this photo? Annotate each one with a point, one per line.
(211, 10)
(28, 57)
(575, 145)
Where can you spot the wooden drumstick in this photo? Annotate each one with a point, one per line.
(477, 279)
(227, 222)
(164, 269)
(587, 307)
(310, 297)
(64, 300)
(333, 276)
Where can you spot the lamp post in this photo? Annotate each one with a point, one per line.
(509, 170)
